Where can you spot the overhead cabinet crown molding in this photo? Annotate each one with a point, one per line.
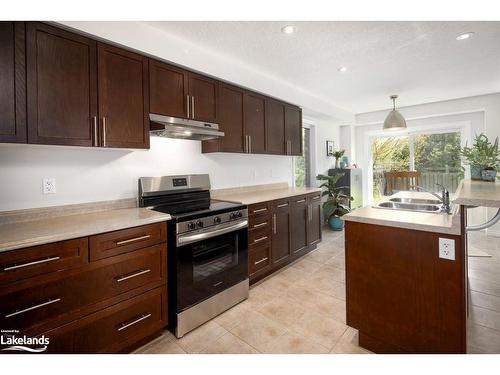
(62, 88)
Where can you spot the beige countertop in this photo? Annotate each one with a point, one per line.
(261, 194)
(428, 222)
(15, 235)
(478, 193)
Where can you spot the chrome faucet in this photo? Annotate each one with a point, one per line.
(444, 198)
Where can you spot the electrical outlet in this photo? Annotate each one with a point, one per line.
(446, 248)
(49, 185)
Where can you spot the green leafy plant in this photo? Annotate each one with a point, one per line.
(336, 203)
(337, 155)
(483, 153)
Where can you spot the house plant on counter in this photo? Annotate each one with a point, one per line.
(337, 155)
(335, 205)
(483, 158)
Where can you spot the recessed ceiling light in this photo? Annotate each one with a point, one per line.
(289, 29)
(342, 69)
(464, 36)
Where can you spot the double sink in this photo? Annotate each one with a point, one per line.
(412, 204)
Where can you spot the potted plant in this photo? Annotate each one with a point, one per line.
(336, 204)
(337, 155)
(483, 158)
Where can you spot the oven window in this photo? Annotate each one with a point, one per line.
(214, 256)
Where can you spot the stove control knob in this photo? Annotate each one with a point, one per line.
(239, 214)
(191, 225)
(217, 220)
(235, 215)
(199, 224)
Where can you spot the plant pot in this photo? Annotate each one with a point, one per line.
(475, 172)
(335, 223)
(488, 174)
(337, 163)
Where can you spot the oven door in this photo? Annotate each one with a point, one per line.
(210, 261)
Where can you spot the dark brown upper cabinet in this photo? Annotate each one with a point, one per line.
(275, 129)
(230, 102)
(123, 98)
(61, 86)
(12, 83)
(255, 123)
(293, 130)
(168, 89)
(202, 98)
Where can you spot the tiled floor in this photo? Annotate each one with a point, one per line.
(483, 331)
(298, 310)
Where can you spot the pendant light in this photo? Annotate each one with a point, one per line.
(394, 120)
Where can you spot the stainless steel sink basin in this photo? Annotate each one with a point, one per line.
(410, 206)
(415, 200)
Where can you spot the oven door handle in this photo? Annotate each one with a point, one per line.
(190, 238)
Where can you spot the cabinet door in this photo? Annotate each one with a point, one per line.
(12, 83)
(123, 98)
(255, 123)
(230, 118)
(167, 89)
(275, 129)
(293, 130)
(61, 86)
(280, 232)
(299, 224)
(203, 93)
(314, 219)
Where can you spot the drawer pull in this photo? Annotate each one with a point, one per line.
(124, 242)
(282, 205)
(126, 325)
(130, 276)
(301, 201)
(260, 239)
(217, 284)
(260, 261)
(17, 312)
(315, 198)
(259, 210)
(16, 266)
(260, 225)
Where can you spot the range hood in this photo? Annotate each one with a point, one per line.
(174, 127)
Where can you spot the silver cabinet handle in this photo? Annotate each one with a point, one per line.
(246, 144)
(130, 276)
(259, 210)
(187, 105)
(124, 242)
(260, 239)
(17, 312)
(259, 225)
(309, 208)
(104, 132)
(126, 325)
(282, 205)
(192, 106)
(315, 198)
(250, 143)
(16, 266)
(217, 284)
(187, 239)
(274, 223)
(260, 261)
(96, 139)
(300, 201)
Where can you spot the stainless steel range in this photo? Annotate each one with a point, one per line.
(207, 248)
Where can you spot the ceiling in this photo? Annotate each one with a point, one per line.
(422, 62)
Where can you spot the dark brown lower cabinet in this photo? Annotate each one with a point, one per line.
(401, 296)
(282, 231)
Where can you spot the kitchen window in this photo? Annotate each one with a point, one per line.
(302, 164)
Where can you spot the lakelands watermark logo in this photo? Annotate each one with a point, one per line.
(14, 342)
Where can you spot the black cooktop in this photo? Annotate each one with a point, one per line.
(214, 207)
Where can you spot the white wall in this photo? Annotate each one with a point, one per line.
(88, 175)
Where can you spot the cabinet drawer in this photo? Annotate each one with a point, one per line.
(126, 240)
(259, 222)
(113, 329)
(259, 258)
(259, 237)
(258, 208)
(34, 303)
(21, 264)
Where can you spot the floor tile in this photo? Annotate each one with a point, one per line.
(199, 339)
(485, 317)
(277, 285)
(483, 338)
(283, 309)
(229, 344)
(257, 330)
(348, 344)
(291, 343)
(306, 266)
(233, 316)
(319, 328)
(484, 300)
(165, 344)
